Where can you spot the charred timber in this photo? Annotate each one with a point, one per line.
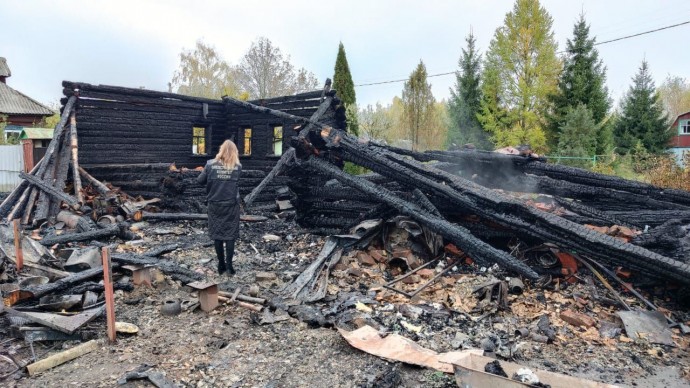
(168, 267)
(460, 236)
(525, 221)
(98, 185)
(65, 283)
(47, 207)
(50, 190)
(108, 231)
(148, 216)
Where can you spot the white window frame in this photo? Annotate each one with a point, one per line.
(684, 127)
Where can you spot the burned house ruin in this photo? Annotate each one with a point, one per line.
(131, 138)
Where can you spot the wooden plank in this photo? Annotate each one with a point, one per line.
(108, 291)
(62, 357)
(74, 144)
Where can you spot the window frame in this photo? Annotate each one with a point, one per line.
(684, 127)
(243, 136)
(205, 137)
(273, 140)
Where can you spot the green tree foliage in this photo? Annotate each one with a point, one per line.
(578, 135)
(203, 73)
(642, 118)
(3, 124)
(675, 96)
(375, 122)
(582, 81)
(418, 104)
(266, 72)
(520, 72)
(465, 100)
(343, 84)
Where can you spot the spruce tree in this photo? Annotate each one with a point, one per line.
(465, 101)
(578, 135)
(582, 81)
(642, 117)
(343, 84)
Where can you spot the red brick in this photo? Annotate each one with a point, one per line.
(376, 255)
(365, 259)
(577, 319)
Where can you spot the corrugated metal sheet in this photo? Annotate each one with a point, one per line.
(11, 163)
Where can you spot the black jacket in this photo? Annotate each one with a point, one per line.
(221, 183)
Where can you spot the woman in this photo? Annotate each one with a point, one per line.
(221, 176)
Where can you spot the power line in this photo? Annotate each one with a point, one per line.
(560, 52)
(642, 33)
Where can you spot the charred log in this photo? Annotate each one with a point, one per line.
(108, 231)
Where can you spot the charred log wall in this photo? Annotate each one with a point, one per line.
(129, 137)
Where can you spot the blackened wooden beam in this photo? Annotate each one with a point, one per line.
(74, 144)
(60, 182)
(98, 185)
(50, 190)
(460, 236)
(109, 230)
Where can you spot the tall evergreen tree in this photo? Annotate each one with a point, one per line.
(343, 84)
(520, 72)
(642, 117)
(418, 105)
(465, 100)
(582, 81)
(578, 135)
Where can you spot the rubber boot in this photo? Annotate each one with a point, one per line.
(218, 244)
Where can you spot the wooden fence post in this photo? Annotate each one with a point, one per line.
(109, 297)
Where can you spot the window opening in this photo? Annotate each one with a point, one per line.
(277, 144)
(247, 149)
(199, 141)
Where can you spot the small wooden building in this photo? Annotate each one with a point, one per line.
(35, 142)
(20, 110)
(680, 142)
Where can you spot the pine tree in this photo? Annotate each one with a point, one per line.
(582, 82)
(520, 72)
(578, 135)
(465, 101)
(418, 105)
(343, 84)
(642, 117)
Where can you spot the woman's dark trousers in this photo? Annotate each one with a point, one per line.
(225, 255)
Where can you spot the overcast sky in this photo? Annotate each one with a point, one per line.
(137, 43)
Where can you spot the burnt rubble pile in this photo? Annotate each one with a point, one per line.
(482, 201)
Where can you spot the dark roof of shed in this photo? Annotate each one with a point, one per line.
(15, 102)
(4, 69)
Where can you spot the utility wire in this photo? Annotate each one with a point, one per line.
(560, 52)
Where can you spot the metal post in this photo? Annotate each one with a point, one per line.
(108, 290)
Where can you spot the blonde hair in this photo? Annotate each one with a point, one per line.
(228, 155)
